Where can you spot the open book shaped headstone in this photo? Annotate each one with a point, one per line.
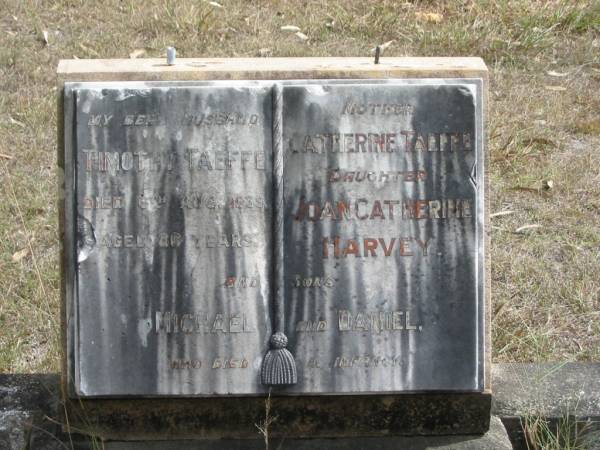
(179, 246)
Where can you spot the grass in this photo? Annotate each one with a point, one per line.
(544, 130)
(565, 434)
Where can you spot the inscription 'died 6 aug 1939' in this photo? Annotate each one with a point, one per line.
(171, 208)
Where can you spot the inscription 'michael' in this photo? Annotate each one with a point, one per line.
(201, 323)
(364, 209)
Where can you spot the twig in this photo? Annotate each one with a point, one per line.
(54, 437)
(501, 213)
(266, 424)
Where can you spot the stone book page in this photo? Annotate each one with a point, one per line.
(171, 198)
(383, 233)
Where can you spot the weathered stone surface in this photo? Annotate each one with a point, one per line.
(293, 68)
(297, 416)
(168, 278)
(495, 439)
(590, 440)
(384, 247)
(38, 396)
(150, 305)
(551, 389)
(14, 429)
(169, 198)
(25, 402)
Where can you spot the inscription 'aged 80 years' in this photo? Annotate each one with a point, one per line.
(169, 218)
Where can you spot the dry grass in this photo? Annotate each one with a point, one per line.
(546, 281)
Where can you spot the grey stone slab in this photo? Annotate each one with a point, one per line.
(553, 392)
(591, 440)
(169, 274)
(384, 248)
(26, 403)
(168, 236)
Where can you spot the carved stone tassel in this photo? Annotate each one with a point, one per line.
(278, 366)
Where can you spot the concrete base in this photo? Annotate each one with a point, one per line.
(31, 411)
(553, 392)
(495, 439)
(293, 416)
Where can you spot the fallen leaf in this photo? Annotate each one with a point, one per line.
(501, 213)
(88, 50)
(552, 73)
(5, 156)
(215, 4)
(19, 255)
(45, 36)
(555, 88)
(429, 17)
(499, 308)
(290, 28)
(525, 189)
(547, 184)
(539, 141)
(527, 227)
(16, 122)
(137, 53)
(382, 47)
(386, 44)
(330, 23)
(302, 36)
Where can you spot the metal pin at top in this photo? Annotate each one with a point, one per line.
(377, 53)
(171, 55)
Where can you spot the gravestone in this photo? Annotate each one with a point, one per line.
(218, 211)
